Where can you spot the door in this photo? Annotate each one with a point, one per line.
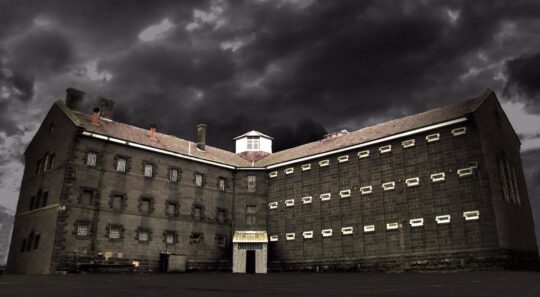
(250, 261)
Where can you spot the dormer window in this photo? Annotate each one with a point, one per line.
(253, 143)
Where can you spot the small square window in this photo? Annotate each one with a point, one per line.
(459, 131)
(307, 199)
(444, 219)
(325, 197)
(389, 186)
(306, 167)
(169, 238)
(143, 236)
(114, 232)
(121, 165)
(273, 238)
(345, 193)
(471, 215)
(252, 183)
(343, 158)
(366, 190)
(363, 154)
(82, 229)
(324, 163)
(91, 159)
(408, 143)
(307, 234)
(416, 222)
(173, 175)
(273, 205)
(437, 177)
(326, 232)
(347, 230)
(273, 174)
(433, 137)
(290, 236)
(171, 209)
(385, 149)
(117, 202)
(412, 182)
(369, 228)
(289, 202)
(289, 170)
(392, 226)
(148, 170)
(198, 180)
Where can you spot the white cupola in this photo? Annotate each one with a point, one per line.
(253, 142)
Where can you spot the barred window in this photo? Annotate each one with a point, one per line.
(251, 183)
(82, 229)
(221, 184)
(250, 215)
(173, 175)
(198, 180)
(169, 238)
(143, 235)
(148, 170)
(91, 159)
(509, 182)
(114, 232)
(121, 165)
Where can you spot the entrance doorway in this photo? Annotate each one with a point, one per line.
(250, 261)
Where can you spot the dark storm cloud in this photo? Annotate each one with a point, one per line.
(523, 77)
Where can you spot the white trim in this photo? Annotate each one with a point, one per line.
(345, 193)
(289, 202)
(326, 232)
(273, 205)
(416, 222)
(250, 168)
(412, 182)
(347, 230)
(366, 190)
(471, 215)
(437, 177)
(324, 163)
(389, 186)
(392, 226)
(369, 228)
(380, 140)
(307, 234)
(459, 131)
(307, 199)
(444, 219)
(363, 154)
(273, 238)
(325, 196)
(289, 170)
(306, 167)
(290, 236)
(433, 137)
(408, 143)
(385, 149)
(343, 158)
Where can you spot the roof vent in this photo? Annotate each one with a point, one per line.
(335, 134)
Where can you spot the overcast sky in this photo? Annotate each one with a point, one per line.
(293, 69)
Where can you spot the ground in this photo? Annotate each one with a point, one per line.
(490, 283)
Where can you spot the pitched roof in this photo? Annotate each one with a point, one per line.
(385, 129)
(253, 133)
(188, 148)
(163, 141)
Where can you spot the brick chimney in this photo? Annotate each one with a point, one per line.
(74, 99)
(201, 136)
(106, 108)
(95, 117)
(152, 132)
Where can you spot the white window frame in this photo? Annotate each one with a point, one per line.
(169, 237)
(307, 234)
(408, 143)
(289, 170)
(115, 234)
(363, 154)
(324, 163)
(274, 238)
(273, 205)
(121, 164)
(221, 184)
(143, 236)
(412, 182)
(471, 215)
(369, 228)
(366, 190)
(433, 137)
(443, 219)
(326, 232)
(464, 172)
(91, 160)
(344, 158)
(418, 222)
(83, 229)
(385, 149)
(389, 186)
(307, 199)
(273, 174)
(438, 177)
(459, 131)
(347, 230)
(306, 167)
(289, 202)
(290, 236)
(345, 193)
(392, 226)
(148, 170)
(325, 196)
(198, 180)
(253, 143)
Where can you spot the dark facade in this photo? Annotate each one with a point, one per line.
(439, 190)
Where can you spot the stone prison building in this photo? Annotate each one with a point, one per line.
(439, 190)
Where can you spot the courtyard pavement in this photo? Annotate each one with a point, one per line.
(489, 283)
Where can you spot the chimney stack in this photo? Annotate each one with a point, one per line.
(152, 132)
(106, 108)
(95, 117)
(74, 99)
(201, 137)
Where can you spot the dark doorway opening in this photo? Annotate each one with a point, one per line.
(250, 261)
